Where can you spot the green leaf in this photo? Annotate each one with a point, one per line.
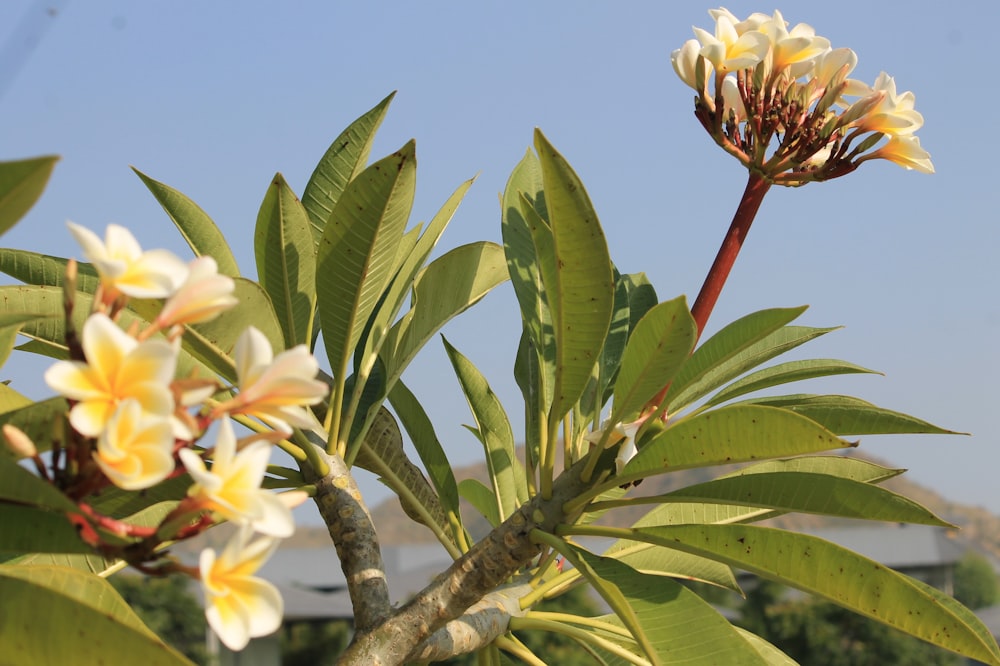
(106, 627)
(834, 573)
(661, 343)
(19, 486)
(605, 372)
(21, 184)
(197, 228)
(421, 432)
(40, 421)
(523, 207)
(45, 270)
(493, 430)
(580, 291)
(808, 492)
(768, 652)
(660, 561)
(726, 435)
(670, 622)
(28, 529)
(11, 399)
(690, 513)
(286, 261)
(449, 285)
(415, 259)
(342, 162)
(481, 498)
(383, 454)
(714, 356)
(784, 373)
(846, 415)
(357, 253)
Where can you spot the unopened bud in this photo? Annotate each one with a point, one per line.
(18, 443)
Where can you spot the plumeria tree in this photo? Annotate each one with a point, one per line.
(155, 359)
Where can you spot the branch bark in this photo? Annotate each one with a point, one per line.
(487, 565)
(353, 533)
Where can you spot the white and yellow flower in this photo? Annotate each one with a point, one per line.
(893, 114)
(728, 50)
(622, 435)
(125, 268)
(204, 294)
(238, 605)
(904, 151)
(117, 367)
(798, 46)
(274, 389)
(231, 487)
(134, 450)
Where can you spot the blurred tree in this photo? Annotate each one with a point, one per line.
(169, 608)
(820, 633)
(314, 643)
(976, 583)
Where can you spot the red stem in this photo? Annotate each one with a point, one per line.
(753, 195)
(757, 187)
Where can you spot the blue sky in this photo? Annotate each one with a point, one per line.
(214, 97)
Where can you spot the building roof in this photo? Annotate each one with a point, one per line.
(314, 588)
(899, 546)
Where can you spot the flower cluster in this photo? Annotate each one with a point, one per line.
(781, 102)
(135, 421)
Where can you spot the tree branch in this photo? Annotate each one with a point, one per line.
(353, 533)
(477, 627)
(486, 566)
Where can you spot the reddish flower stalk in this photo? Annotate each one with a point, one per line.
(753, 195)
(757, 187)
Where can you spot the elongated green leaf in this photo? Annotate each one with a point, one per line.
(690, 513)
(286, 260)
(481, 498)
(421, 431)
(671, 622)
(45, 270)
(38, 420)
(28, 529)
(779, 342)
(808, 492)
(19, 486)
(493, 430)
(197, 228)
(580, 293)
(731, 434)
(835, 573)
(768, 652)
(660, 344)
(383, 454)
(606, 370)
(414, 260)
(524, 195)
(357, 253)
(659, 561)
(342, 161)
(47, 597)
(49, 328)
(21, 183)
(841, 467)
(785, 373)
(528, 376)
(720, 349)
(11, 399)
(846, 415)
(449, 285)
